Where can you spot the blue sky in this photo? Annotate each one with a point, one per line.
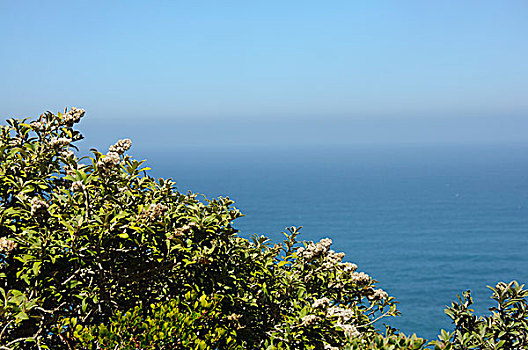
(263, 72)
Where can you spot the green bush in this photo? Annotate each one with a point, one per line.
(86, 241)
(189, 323)
(96, 254)
(389, 341)
(505, 328)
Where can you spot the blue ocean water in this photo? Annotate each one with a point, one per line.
(428, 222)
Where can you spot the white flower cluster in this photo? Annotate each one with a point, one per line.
(73, 116)
(321, 303)
(379, 294)
(154, 211)
(350, 330)
(342, 314)
(6, 245)
(360, 278)
(314, 250)
(77, 186)
(344, 317)
(38, 206)
(348, 267)
(329, 347)
(112, 158)
(57, 142)
(120, 147)
(108, 162)
(308, 320)
(68, 154)
(234, 317)
(37, 126)
(184, 230)
(332, 259)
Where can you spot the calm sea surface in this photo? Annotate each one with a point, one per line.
(427, 222)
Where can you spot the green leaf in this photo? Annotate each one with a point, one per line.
(21, 316)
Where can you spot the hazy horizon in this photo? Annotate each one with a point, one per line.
(296, 73)
(397, 128)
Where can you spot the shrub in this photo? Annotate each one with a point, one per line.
(96, 254)
(389, 341)
(190, 323)
(505, 328)
(89, 244)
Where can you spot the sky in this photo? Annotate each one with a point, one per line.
(273, 72)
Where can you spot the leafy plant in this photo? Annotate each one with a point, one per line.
(96, 254)
(505, 328)
(91, 240)
(191, 322)
(388, 341)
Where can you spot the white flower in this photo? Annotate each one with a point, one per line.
(112, 158)
(155, 211)
(348, 267)
(184, 230)
(360, 278)
(73, 116)
(314, 249)
(57, 142)
(6, 245)
(321, 303)
(350, 330)
(37, 126)
(120, 146)
(379, 294)
(341, 313)
(77, 186)
(38, 206)
(326, 243)
(109, 161)
(332, 259)
(309, 320)
(68, 154)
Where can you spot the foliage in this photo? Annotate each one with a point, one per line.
(190, 323)
(85, 242)
(389, 341)
(96, 254)
(505, 328)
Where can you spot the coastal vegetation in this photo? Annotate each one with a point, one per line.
(96, 254)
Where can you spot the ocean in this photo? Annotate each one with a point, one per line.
(427, 221)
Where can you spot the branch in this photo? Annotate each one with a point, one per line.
(5, 327)
(375, 320)
(6, 347)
